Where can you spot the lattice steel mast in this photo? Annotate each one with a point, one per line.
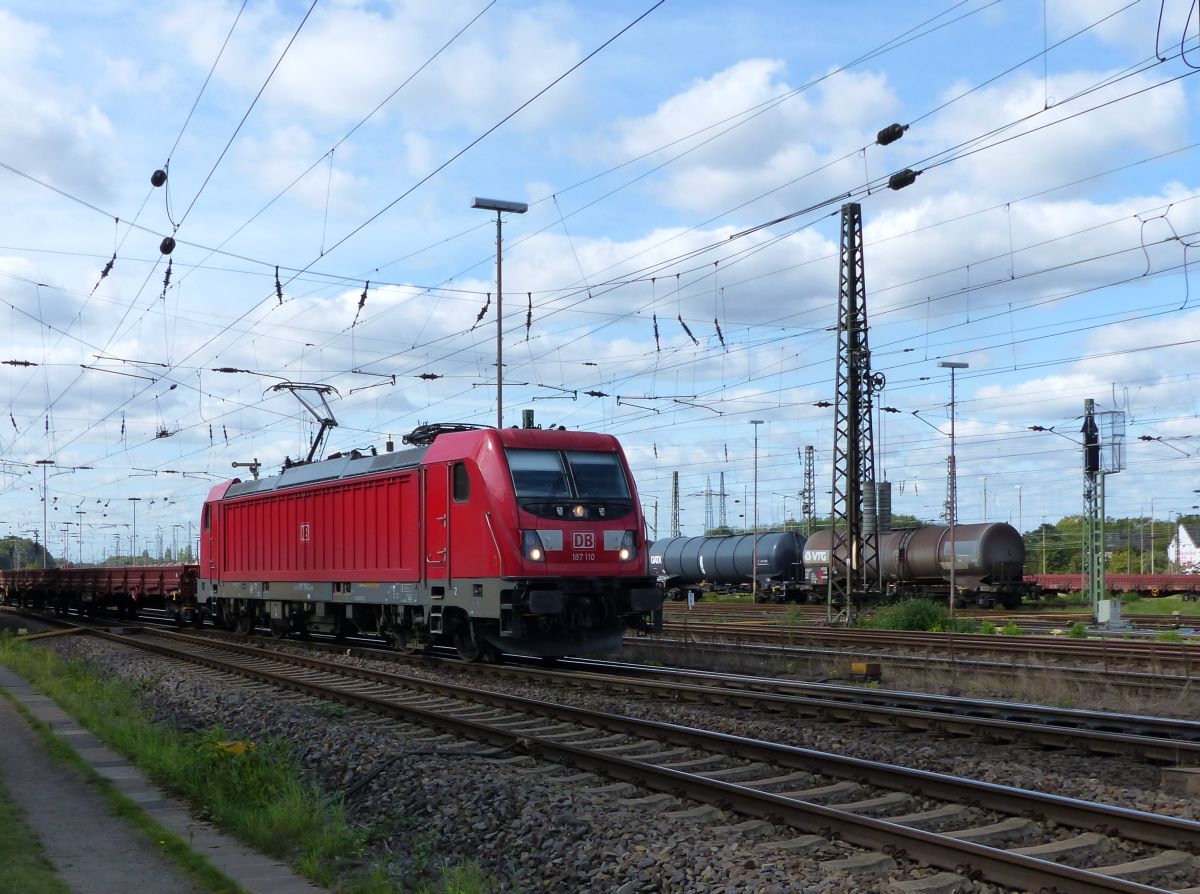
(674, 504)
(808, 497)
(1103, 455)
(853, 559)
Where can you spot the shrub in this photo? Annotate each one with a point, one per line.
(987, 627)
(919, 614)
(1127, 598)
(1078, 630)
(1012, 628)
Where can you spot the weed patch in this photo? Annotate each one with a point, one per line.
(919, 614)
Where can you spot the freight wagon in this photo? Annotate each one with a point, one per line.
(683, 563)
(119, 590)
(989, 562)
(1187, 585)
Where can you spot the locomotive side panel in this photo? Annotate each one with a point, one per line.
(362, 530)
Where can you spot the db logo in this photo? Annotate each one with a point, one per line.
(583, 540)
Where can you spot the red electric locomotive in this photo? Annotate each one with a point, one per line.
(511, 540)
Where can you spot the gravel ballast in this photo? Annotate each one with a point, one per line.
(540, 827)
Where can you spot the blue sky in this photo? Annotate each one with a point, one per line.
(1048, 242)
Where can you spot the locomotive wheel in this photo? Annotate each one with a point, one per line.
(408, 644)
(468, 648)
(245, 624)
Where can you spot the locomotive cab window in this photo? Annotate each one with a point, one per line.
(538, 473)
(206, 518)
(598, 476)
(462, 483)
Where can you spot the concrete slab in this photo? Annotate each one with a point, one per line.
(870, 864)
(942, 883)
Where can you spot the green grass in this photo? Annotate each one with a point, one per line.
(1078, 630)
(1169, 636)
(256, 791)
(725, 598)
(1012, 628)
(26, 868)
(1163, 605)
(793, 616)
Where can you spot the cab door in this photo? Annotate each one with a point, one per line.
(437, 525)
(209, 566)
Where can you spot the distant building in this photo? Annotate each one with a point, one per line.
(1185, 547)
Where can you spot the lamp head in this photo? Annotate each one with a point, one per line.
(500, 205)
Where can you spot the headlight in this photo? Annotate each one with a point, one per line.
(628, 548)
(531, 547)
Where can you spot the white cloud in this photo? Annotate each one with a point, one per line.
(50, 133)
(350, 57)
(804, 132)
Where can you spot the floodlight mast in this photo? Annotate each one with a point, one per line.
(499, 206)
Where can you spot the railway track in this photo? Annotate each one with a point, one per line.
(1166, 741)
(1161, 740)
(816, 614)
(1182, 658)
(960, 825)
(950, 665)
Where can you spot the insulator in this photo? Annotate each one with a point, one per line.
(901, 179)
(167, 245)
(890, 134)
(158, 178)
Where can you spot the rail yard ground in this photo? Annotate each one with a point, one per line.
(441, 812)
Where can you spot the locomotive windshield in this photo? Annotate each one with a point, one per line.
(567, 475)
